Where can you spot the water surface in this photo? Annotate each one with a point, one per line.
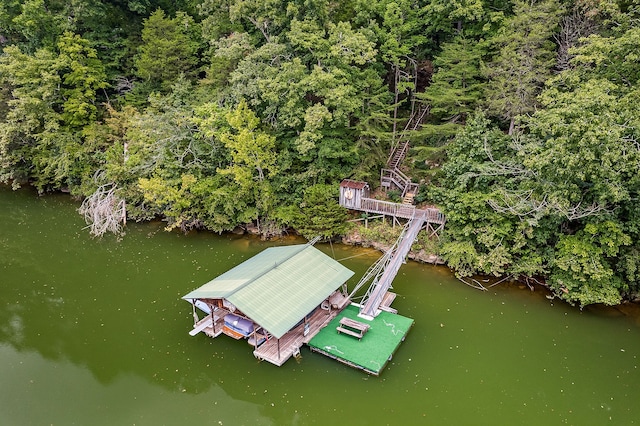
(93, 331)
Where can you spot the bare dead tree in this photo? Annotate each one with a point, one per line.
(123, 85)
(527, 204)
(474, 284)
(573, 28)
(104, 211)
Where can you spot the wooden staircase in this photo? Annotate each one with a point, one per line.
(397, 155)
(392, 177)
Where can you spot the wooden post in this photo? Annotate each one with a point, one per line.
(255, 338)
(213, 320)
(195, 315)
(278, 349)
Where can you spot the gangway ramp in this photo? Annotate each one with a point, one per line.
(389, 266)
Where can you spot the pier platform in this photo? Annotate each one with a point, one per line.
(371, 351)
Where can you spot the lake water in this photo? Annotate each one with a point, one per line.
(93, 332)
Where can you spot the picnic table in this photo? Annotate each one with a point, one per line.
(352, 327)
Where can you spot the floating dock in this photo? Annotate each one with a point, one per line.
(372, 349)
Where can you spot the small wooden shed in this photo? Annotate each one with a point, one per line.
(352, 192)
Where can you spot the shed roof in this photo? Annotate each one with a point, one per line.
(279, 286)
(354, 184)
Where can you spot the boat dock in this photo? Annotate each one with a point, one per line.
(371, 344)
(278, 351)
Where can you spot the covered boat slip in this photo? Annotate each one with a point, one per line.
(280, 290)
(278, 351)
(372, 349)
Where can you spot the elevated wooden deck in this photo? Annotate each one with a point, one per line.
(405, 211)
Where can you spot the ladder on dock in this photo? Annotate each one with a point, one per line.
(386, 268)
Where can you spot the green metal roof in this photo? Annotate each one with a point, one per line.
(279, 286)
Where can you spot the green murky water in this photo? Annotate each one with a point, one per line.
(93, 332)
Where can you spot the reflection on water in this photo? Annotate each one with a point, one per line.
(94, 332)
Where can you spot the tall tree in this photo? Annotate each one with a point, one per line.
(169, 48)
(53, 100)
(523, 61)
(457, 85)
(319, 213)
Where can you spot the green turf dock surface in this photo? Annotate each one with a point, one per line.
(376, 347)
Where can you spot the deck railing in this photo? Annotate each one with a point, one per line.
(405, 211)
(399, 179)
(372, 205)
(374, 296)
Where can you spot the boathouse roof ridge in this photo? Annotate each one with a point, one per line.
(245, 273)
(279, 286)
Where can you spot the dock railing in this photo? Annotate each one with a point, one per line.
(381, 284)
(372, 205)
(405, 211)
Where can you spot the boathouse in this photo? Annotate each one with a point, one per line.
(278, 300)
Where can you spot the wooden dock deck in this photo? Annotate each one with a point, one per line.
(387, 300)
(279, 351)
(404, 211)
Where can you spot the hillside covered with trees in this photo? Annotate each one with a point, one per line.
(212, 114)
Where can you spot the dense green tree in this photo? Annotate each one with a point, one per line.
(477, 239)
(253, 159)
(265, 17)
(170, 48)
(319, 213)
(457, 86)
(83, 75)
(581, 269)
(524, 59)
(252, 151)
(53, 96)
(39, 24)
(569, 181)
(159, 145)
(216, 20)
(313, 100)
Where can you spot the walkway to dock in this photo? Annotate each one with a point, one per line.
(433, 218)
(374, 297)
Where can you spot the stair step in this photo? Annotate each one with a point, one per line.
(407, 200)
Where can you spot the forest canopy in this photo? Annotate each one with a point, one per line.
(214, 114)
